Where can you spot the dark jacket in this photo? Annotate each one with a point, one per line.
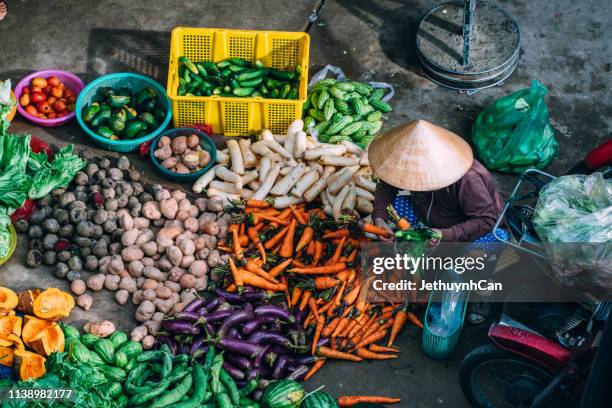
(463, 211)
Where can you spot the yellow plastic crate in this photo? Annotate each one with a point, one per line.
(238, 116)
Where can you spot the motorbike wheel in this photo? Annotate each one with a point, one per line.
(491, 377)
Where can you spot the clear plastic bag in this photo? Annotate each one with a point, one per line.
(573, 218)
(514, 134)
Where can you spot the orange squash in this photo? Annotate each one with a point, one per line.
(10, 324)
(25, 302)
(29, 365)
(48, 340)
(53, 304)
(7, 355)
(33, 326)
(8, 299)
(10, 341)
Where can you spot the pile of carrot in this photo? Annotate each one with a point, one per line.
(315, 262)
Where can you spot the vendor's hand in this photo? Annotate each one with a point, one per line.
(435, 240)
(379, 222)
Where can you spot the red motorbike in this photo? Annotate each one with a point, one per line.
(540, 354)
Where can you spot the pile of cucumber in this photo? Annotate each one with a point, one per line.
(119, 114)
(236, 77)
(347, 110)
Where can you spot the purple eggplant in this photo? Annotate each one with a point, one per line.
(280, 366)
(182, 348)
(250, 326)
(233, 371)
(236, 318)
(216, 316)
(300, 315)
(259, 296)
(223, 307)
(213, 304)
(253, 374)
(194, 305)
(240, 361)
(198, 347)
(260, 337)
(230, 297)
(270, 310)
(298, 373)
(243, 347)
(209, 329)
(168, 341)
(260, 357)
(188, 316)
(305, 359)
(180, 326)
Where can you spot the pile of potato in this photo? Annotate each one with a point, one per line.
(108, 231)
(291, 169)
(182, 154)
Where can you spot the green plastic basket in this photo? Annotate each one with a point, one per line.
(441, 346)
(135, 82)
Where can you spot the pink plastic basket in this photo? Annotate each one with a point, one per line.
(69, 79)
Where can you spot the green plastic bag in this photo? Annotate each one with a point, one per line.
(514, 134)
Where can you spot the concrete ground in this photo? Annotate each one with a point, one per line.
(565, 44)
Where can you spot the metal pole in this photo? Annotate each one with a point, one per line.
(314, 16)
(468, 20)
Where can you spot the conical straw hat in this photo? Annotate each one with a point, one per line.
(419, 156)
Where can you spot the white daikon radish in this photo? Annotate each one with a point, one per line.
(227, 197)
(204, 180)
(290, 142)
(304, 183)
(330, 197)
(284, 185)
(340, 179)
(351, 147)
(332, 150)
(254, 185)
(226, 174)
(235, 156)
(276, 147)
(286, 170)
(328, 171)
(265, 164)
(246, 193)
(310, 143)
(282, 139)
(364, 194)
(363, 160)
(266, 135)
(366, 184)
(248, 156)
(338, 161)
(328, 210)
(300, 146)
(286, 202)
(364, 206)
(267, 184)
(364, 172)
(222, 157)
(316, 166)
(226, 187)
(295, 126)
(337, 207)
(323, 196)
(250, 176)
(349, 201)
(261, 149)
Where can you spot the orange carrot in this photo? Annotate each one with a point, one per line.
(236, 241)
(257, 203)
(343, 276)
(315, 367)
(276, 239)
(330, 327)
(286, 250)
(295, 296)
(337, 252)
(403, 224)
(307, 295)
(308, 320)
(318, 252)
(253, 234)
(306, 238)
(370, 355)
(372, 338)
(350, 400)
(312, 304)
(337, 355)
(317, 334)
(236, 276)
(326, 269)
(382, 349)
(262, 252)
(337, 299)
(297, 215)
(400, 320)
(285, 214)
(415, 320)
(324, 282)
(351, 297)
(257, 281)
(285, 289)
(373, 229)
(341, 326)
(310, 250)
(278, 269)
(258, 270)
(352, 255)
(336, 234)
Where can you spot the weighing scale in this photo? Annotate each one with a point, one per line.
(468, 45)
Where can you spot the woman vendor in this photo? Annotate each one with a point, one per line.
(449, 190)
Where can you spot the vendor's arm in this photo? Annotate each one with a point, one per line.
(385, 193)
(480, 209)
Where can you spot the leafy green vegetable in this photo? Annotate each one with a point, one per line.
(56, 174)
(14, 186)
(14, 151)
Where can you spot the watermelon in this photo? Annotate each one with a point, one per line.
(283, 394)
(320, 400)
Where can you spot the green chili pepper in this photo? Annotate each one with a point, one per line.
(188, 64)
(248, 388)
(152, 393)
(230, 386)
(223, 400)
(247, 403)
(176, 394)
(200, 380)
(215, 371)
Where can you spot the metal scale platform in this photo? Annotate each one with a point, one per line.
(468, 45)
